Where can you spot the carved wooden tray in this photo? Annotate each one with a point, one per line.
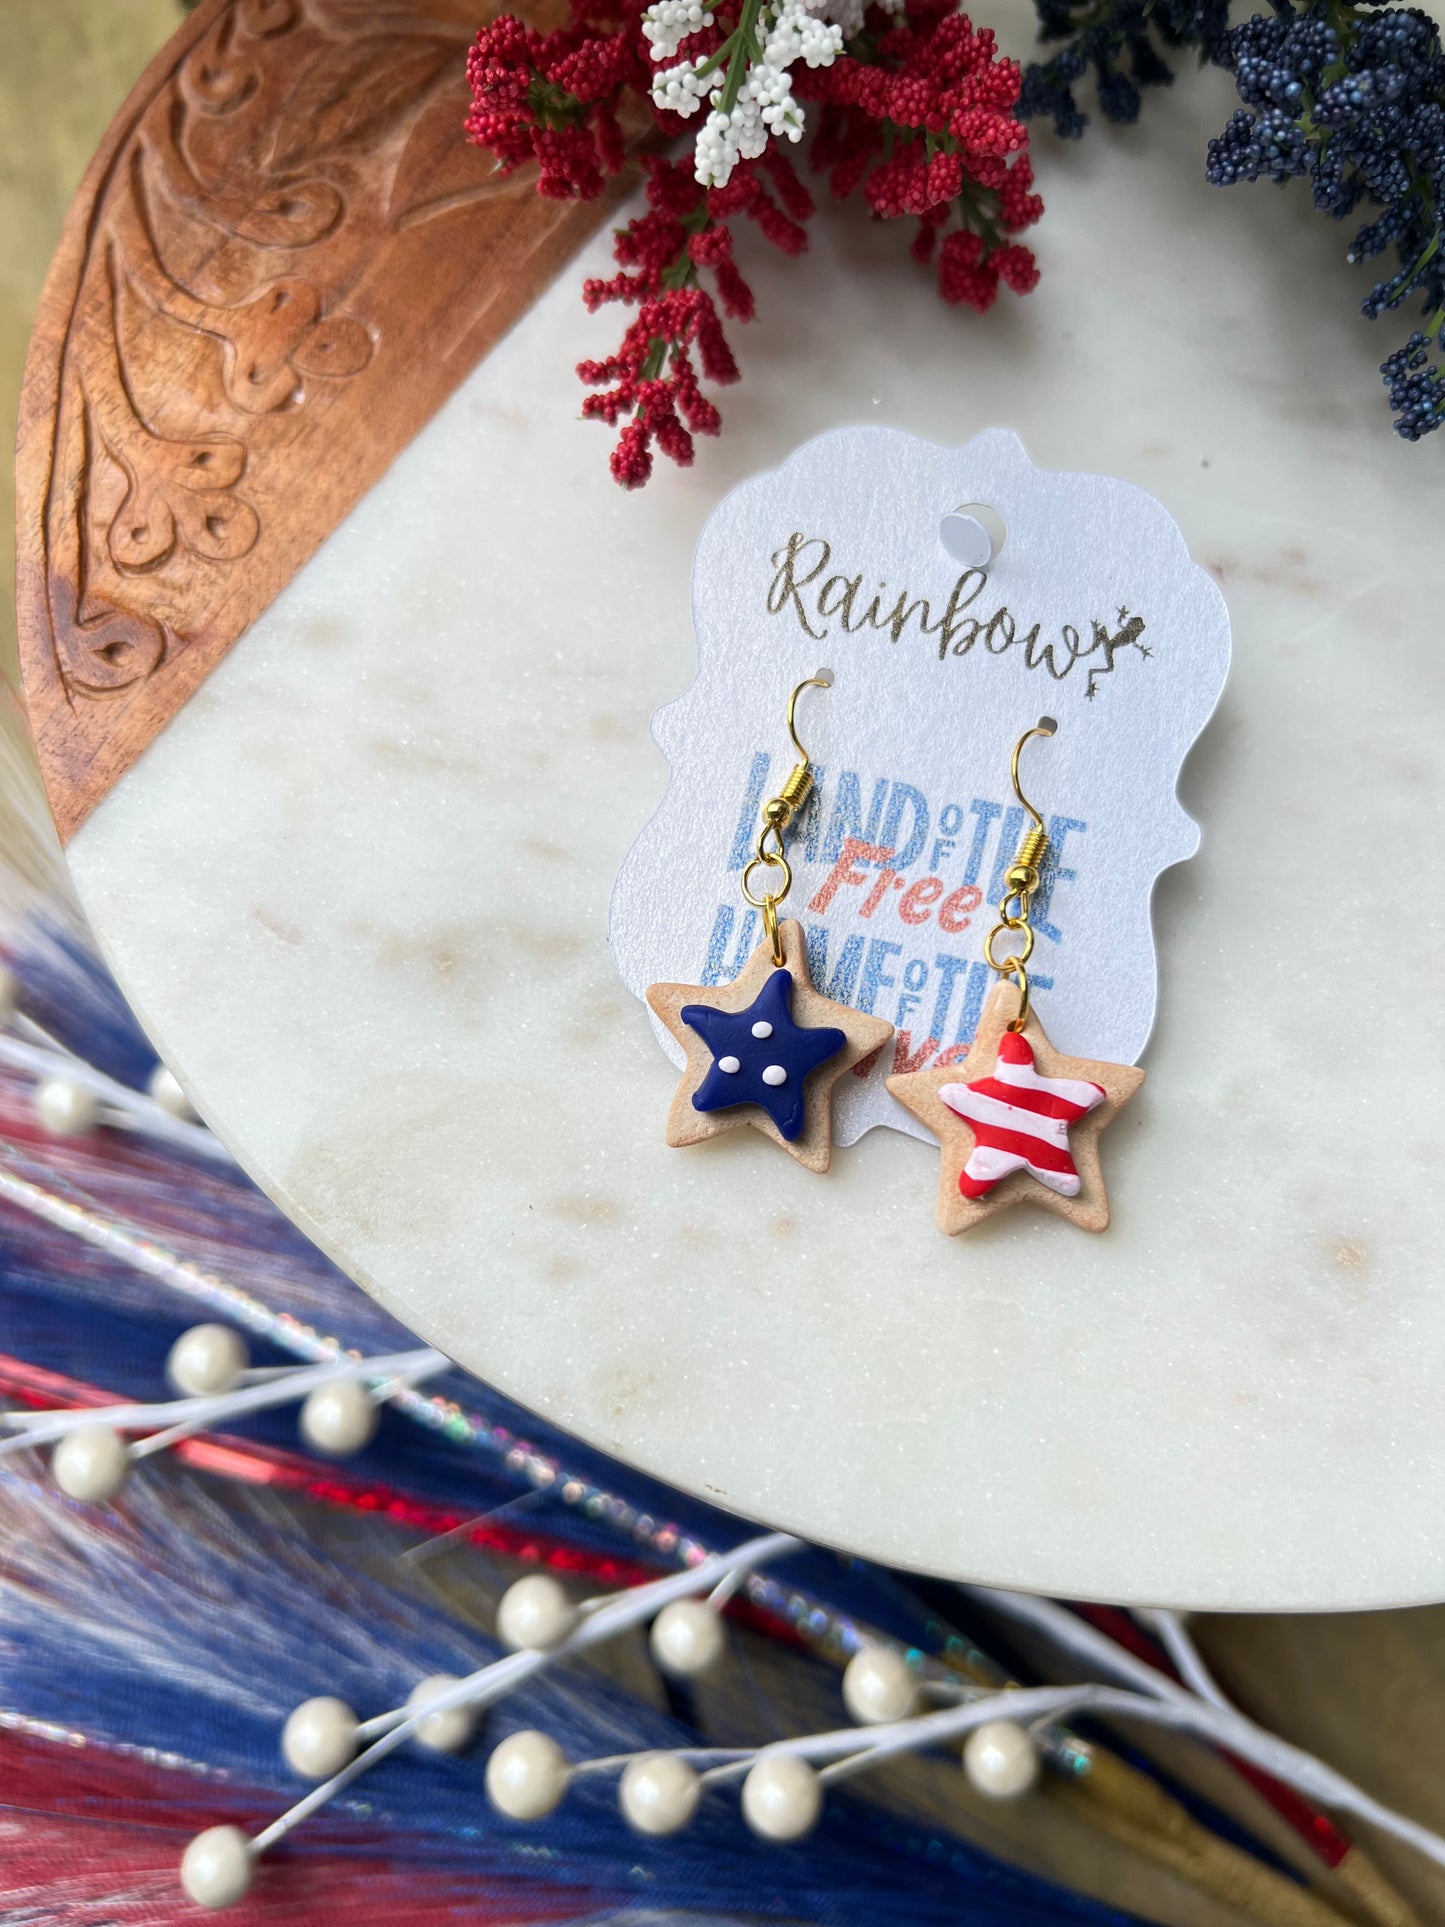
(282, 259)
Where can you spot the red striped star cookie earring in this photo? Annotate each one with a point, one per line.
(1021, 1124)
(767, 1048)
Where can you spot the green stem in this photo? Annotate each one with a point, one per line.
(1342, 20)
(977, 206)
(981, 219)
(679, 273)
(1421, 186)
(745, 47)
(555, 108)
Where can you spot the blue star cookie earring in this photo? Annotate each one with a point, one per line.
(767, 1049)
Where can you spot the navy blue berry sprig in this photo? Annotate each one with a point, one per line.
(1349, 98)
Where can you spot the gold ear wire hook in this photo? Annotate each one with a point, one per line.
(1027, 866)
(1044, 727)
(778, 813)
(811, 682)
(1021, 881)
(780, 810)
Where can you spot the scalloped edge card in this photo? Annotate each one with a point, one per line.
(1090, 611)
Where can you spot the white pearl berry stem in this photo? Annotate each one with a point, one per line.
(850, 1749)
(450, 1731)
(1170, 1629)
(527, 1775)
(216, 1867)
(1174, 1706)
(339, 1419)
(49, 1062)
(91, 1463)
(782, 1796)
(207, 1360)
(695, 1755)
(1000, 1759)
(65, 1107)
(164, 1089)
(319, 1737)
(879, 1686)
(658, 1793)
(194, 1414)
(780, 1799)
(535, 1614)
(688, 1638)
(493, 1682)
(1032, 1706)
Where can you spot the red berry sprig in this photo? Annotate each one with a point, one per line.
(915, 111)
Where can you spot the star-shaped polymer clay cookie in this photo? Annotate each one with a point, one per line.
(766, 1050)
(1018, 1123)
(760, 1056)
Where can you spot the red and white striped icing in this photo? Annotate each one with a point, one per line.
(1020, 1121)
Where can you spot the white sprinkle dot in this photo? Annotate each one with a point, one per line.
(729, 1064)
(762, 1028)
(775, 1074)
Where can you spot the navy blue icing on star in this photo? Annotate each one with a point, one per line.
(760, 1056)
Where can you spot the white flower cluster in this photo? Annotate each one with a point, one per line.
(789, 30)
(667, 23)
(795, 31)
(725, 139)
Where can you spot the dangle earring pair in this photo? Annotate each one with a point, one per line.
(1018, 1123)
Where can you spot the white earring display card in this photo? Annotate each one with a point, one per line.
(867, 553)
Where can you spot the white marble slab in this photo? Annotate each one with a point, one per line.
(358, 893)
